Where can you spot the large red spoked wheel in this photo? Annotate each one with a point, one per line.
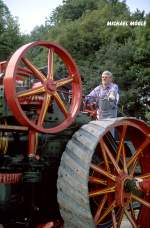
(99, 175)
(37, 96)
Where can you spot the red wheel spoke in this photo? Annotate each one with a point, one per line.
(144, 176)
(131, 220)
(124, 160)
(97, 180)
(122, 138)
(23, 71)
(102, 191)
(114, 221)
(111, 157)
(31, 92)
(99, 209)
(103, 172)
(108, 210)
(61, 104)
(132, 211)
(35, 71)
(140, 200)
(63, 82)
(104, 156)
(120, 217)
(132, 170)
(43, 111)
(50, 64)
(138, 152)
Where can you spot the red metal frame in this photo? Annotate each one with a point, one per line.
(10, 178)
(3, 66)
(145, 185)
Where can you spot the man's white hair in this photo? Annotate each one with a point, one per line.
(107, 73)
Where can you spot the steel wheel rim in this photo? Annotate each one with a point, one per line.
(75, 170)
(120, 200)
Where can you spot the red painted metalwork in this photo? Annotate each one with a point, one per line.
(49, 86)
(32, 143)
(10, 178)
(20, 71)
(145, 185)
(3, 65)
(91, 109)
(52, 224)
(115, 165)
(122, 197)
(47, 225)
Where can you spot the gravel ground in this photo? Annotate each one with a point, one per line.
(125, 224)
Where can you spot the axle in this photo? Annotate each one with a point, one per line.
(137, 185)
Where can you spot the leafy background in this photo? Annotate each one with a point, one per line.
(80, 26)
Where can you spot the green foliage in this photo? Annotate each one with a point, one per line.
(72, 10)
(10, 38)
(147, 115)
(81, 27)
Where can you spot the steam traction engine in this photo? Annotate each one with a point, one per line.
(55, 163)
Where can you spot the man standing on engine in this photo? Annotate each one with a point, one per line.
(105, 96)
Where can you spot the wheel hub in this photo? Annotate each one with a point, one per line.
(122, 197)
(51, 85)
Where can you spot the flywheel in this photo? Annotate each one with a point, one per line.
(99, 174)
(46, 99)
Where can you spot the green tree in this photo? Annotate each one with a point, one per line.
(10, 37)
(81, 27)
(72, 10)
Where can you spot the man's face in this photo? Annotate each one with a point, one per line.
(106, 79)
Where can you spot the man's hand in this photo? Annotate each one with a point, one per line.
(111, 97)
